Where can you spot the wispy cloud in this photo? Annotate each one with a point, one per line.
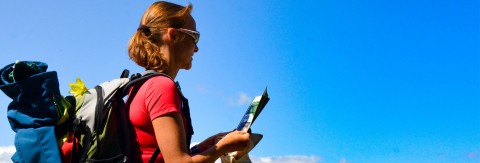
(343, 160)
(288, 159)
(237, 99)
(280, 159)
(6, 153)
(243, 99)
(202, 89)
(240, 99)
(473, 154)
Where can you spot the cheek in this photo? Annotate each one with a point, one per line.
(183, 56)
(185, 52)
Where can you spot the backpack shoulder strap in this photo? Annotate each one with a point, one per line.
(140, 78)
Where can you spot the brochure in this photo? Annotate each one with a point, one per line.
(253, 111)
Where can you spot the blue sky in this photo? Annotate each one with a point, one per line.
(349, 81)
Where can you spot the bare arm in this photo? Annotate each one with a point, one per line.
(170, 137)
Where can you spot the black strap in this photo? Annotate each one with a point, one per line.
(98, 116)
(154, 155)
(186, 114)
(81, 127)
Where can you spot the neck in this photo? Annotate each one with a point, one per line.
(172, 73)
(170, 69)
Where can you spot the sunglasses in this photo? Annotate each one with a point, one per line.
(194, 34)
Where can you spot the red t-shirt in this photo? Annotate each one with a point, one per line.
(156, 97)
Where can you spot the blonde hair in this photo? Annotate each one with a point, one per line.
(143, 47)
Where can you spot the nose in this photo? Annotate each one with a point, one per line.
(196, 49)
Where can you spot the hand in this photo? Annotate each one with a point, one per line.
(211, 141)
(241, 153)
(235, 141)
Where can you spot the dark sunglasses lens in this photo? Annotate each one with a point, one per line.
(197, 37)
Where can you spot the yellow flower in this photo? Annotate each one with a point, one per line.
(77, 88)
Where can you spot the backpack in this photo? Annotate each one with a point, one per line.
(91, 126)
(101, 122)
(96, 129)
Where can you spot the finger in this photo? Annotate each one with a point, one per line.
(242, 132)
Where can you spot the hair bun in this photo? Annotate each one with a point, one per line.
(145, 29)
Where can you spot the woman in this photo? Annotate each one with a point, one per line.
(165, 43)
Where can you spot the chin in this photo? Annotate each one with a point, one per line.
(188, 66)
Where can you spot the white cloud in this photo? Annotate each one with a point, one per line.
(202, 89)
(287, 159)
(343, 160)
(6, 153)
(281, 159)
(241, 99)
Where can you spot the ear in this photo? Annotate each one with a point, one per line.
(170, 35)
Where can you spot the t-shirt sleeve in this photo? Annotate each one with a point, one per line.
(161, 97)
